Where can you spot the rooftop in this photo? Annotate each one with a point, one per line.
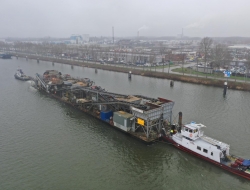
(193, 125)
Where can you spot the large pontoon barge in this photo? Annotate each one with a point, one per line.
(140, 116)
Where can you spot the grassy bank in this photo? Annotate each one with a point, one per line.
(213, 75)
(218, 82)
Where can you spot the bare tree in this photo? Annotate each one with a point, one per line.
(183, 60)
(87, 52)
(162, 52)
(115, 57)
(151, 60)
(205, 48)
(220, 55)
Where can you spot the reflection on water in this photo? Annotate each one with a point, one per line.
(45, 144)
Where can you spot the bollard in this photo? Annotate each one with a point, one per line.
(129, 74)
(171, 83)
(225, 89)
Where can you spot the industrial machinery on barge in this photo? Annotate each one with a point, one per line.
(140, 116)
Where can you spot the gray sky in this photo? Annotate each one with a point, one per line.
(61, 18)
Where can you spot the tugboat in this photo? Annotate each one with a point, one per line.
(191, 139)
(21, 76)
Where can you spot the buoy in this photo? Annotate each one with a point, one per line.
(225, 89)
(171, 83)
(129, 74)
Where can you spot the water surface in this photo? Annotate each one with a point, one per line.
(45, 144)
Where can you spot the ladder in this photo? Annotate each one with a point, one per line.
(42, 81)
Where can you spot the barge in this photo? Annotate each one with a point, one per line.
(139, 116)
(190, 138)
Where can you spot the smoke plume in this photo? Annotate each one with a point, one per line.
(144, 27)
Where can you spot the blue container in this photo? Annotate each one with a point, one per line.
(106, 115)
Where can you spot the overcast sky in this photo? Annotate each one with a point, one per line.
(61, 18)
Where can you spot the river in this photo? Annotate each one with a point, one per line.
(45, 144)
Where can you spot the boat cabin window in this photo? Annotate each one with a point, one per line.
(190, 130)
(212, 153)
(204, 150)
(199, 148)
(186, 129)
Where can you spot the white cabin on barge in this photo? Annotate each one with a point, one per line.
(192, 137)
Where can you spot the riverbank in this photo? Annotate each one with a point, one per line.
(176, 77)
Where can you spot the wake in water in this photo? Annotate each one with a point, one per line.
(32, 86)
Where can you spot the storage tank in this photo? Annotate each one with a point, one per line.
(105, 115)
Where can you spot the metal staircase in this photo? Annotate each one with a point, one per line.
(38, 77)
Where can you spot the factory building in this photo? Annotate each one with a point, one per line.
(76, 39)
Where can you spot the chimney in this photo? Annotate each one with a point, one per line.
(180, 119)
(113, 35)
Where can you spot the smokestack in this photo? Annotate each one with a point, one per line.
(113, 35)
(180, 119)
(179, 122)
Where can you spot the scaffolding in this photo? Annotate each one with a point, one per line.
(153, 118)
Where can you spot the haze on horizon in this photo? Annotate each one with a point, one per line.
(61, 18)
